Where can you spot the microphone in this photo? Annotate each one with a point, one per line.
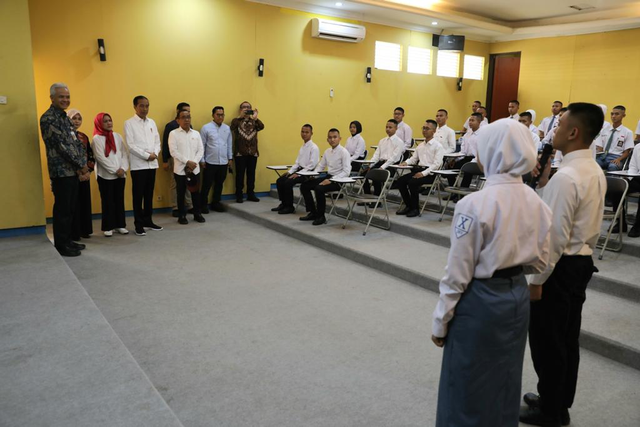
(546, 154)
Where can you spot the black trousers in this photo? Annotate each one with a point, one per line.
(377, 187)
(82, 219)
(285, 188)
(181, 189)
(213, 175)
(142, 183)
(466, 180)
(245, 164)
(634, 186)
(112, 195)
(65, 192)
(320, 204)
(410, 187)
(554, 332)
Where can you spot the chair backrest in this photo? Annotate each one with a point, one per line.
(364, 155)
(471, 168)
(378, 175)
(616, 187)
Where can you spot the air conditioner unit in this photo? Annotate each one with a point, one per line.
(335, 30)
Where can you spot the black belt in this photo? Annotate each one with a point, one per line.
(507, 273)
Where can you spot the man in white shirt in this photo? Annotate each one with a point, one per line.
(142, 137)
(218, 148)
(468, 151)
(404, 131)
(550, 122)
(513, 108)
(526, 119)
(575, 195)
(474, 109)
(307, 160)
(634, 187)
(444, 134)
(338, 163)
(186, 149)
(483, 111)
(615, 145)
(426, 158)
(389, 152)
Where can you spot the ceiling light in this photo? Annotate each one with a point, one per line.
(434, 23)
(339, 4)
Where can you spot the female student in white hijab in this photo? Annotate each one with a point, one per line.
(498, 234)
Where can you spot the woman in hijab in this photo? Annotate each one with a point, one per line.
(355, 145)
(498, 234)
(532, 127)
(112, 163)
(82, 226)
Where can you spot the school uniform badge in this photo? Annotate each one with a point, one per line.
(463, 225)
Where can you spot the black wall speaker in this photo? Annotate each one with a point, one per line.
(261, 68)
(368, 75)
(101, 50)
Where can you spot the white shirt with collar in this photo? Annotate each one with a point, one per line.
(143, 139)
(185, 146)
(469, 145)
(575, 195)
(337, 161)
(355, 146)
(622, 140)
(447, 138)
(405, 133)
(536, 140)
(390, 149)
(428, 154)
(515, 116)
(106, 167)
(307, 159)
(544, 124)
(634, 163)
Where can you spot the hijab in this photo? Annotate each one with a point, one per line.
(506, 147)
(110, 143)
(533, 116)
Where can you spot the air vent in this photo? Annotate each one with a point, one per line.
(581, 7)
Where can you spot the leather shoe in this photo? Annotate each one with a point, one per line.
(76, 246)
(616, 228)
(68, 252)
(635, 230)
(239, 199)
(534, 416)
(286, 210)
(204, 210)
(403, 211)
(175, 213)
(413, 213)
(252, 198)
(277, 208)
(320, 220)
(532, 400)
(198, 218)
(183, 220)
(218, 207)
(309, 217)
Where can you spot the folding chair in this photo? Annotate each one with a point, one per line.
(616, 187)
(364, 156)
(376, 175)
(471, 168)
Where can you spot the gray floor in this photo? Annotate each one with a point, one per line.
(236, 325)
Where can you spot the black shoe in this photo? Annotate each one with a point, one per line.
(534, 416)
(403, 211)
(320, 220)
(183, 220)
(175, 213)
(252, 198)
(68, 252)
(204, 210)
(635, 230)
(286, 210)
(413, 213)
(76, 246)
(239, 199)
(532, 400)
(154, 227)
(309, 217)
(616, 228)
(198, 218)
(85, 236)
(277, 208)
(140, 231)
(372, 205)
(218, 207)
(565, 418)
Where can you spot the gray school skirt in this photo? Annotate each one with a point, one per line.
(481, 377)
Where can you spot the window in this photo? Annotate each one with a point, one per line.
(448, 64)
(419, 61)
(473, 67)
(388, 56)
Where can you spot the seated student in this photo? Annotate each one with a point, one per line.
(355, 145)
(389, 152)
(445, 135)
(469, 150)
(550, 122)
(112, 163)
(513, 108)
(307, 160)
(634, 186)
(338, 163)
(474, 109)
(532, 126)
(483, 111)
(527, 120)
(187, 150)
(427, 157)
(548, 139)
(404, 131)
(615, 145)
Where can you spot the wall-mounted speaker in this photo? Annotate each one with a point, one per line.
(368, 75)
(101, 50)
(459, 84)
(261, 68)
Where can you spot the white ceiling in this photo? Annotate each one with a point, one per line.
(484, 20)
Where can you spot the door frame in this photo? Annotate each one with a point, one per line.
(492, 66)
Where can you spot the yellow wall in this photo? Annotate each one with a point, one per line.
(22, 200)
(602, 68)
(205, 52)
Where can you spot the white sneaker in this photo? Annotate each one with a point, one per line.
(122, 230)
(108, 233)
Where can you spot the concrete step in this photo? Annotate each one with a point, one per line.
(609, 322)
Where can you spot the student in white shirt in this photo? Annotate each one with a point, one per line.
(497, 236)
(142, 138)
(474, 109)
(615, 145)
(526, 119)
(468, 151)
(404, 131)
(513, 108)
(445, 135)
(389, 152)
(307, 160)
(550, 122)
(548, 139)
(634, 187)
(338, 163)
(112, 163)
(217, 159)
(185, 145)
(355, 145)
(483, 111)
(575, 194)
(426, 158)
